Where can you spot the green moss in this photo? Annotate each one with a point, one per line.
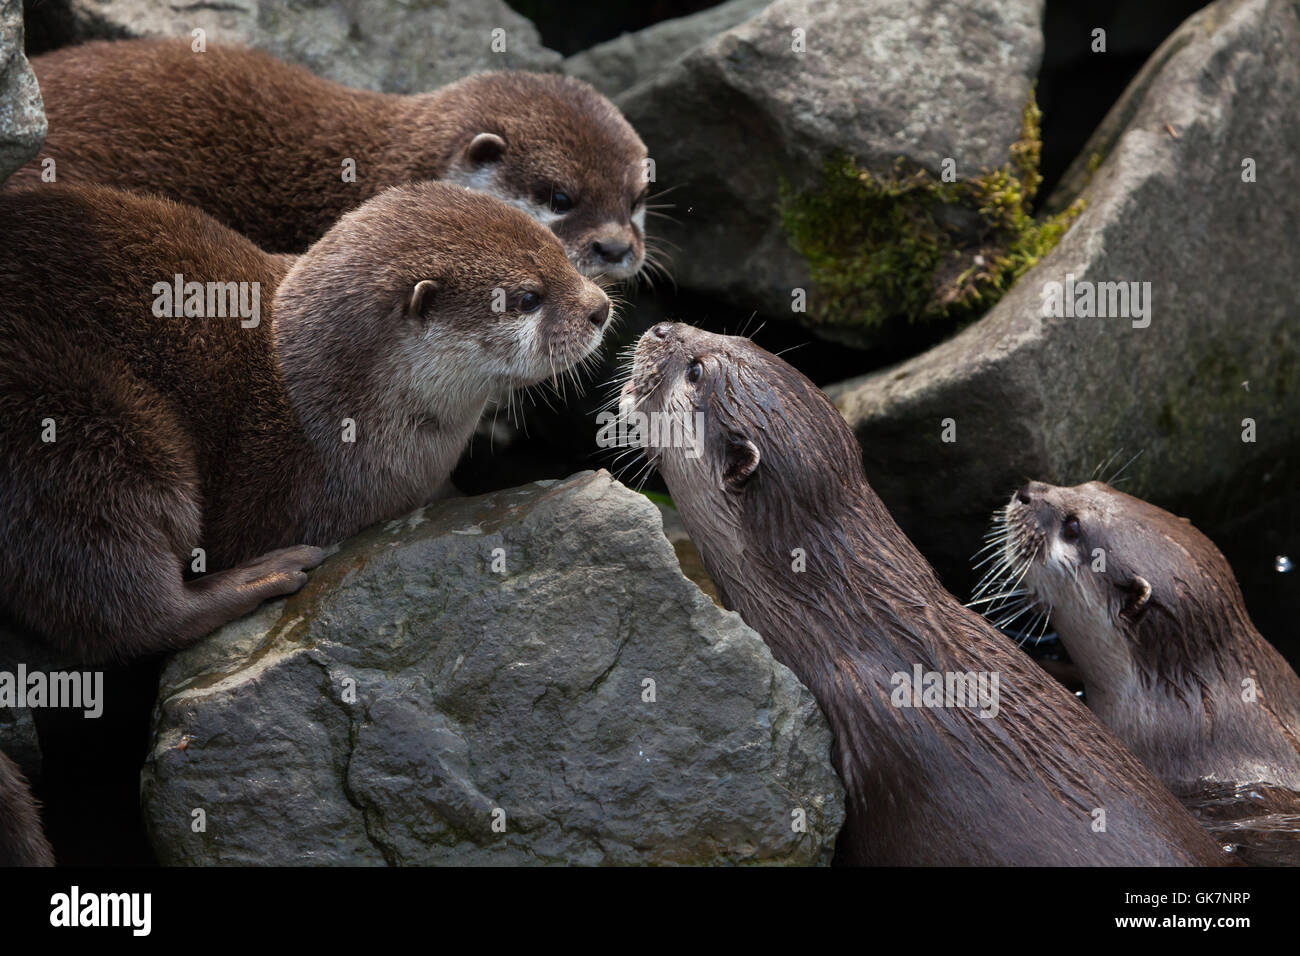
(908, 245)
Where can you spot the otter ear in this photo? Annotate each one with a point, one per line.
(421, 299)
(1139, 593)
(485, 148)
(742, 462)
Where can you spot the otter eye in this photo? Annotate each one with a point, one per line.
(694, 372)
(1070, 529)
(529, 302)
(560, 202)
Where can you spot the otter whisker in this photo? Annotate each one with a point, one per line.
(1104, 464)
(997, 597)
(1115, 478)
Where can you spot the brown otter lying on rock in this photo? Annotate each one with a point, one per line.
(1153, 618)
(773, 494)
(279, 154)
(22, 841)
(175, 400)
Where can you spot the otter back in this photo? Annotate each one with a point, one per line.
(279, 154)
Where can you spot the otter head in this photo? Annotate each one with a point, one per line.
(560, 151)
(427, 300)
(1134, 592)
(748, 446)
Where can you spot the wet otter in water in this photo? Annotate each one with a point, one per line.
(778, 505)
(168, 391)
(1152, 616)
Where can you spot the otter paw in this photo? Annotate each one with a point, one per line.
(282, 572)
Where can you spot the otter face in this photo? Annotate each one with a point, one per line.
(557, 149)
(1118, 575)
(764, 439)
(440, 299)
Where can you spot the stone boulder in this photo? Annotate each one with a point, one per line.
(22, 118)
(626, 60)
(1206, 386)
(732, 120)
(586, 705)
(391, 45)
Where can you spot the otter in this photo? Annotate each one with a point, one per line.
(140, 421)
(1152, 616)
(263, 146)
(773, 493)
(22, 841)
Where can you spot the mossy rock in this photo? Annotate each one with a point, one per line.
(909, 246)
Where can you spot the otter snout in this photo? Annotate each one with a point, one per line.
(612, 250)
(1030, 492)
(615, 258)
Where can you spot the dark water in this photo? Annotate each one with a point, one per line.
(1259, 823)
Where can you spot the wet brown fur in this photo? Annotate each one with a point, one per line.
(1173, 688)
(925, 785)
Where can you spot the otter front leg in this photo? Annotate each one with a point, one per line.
(218, 598)
(138, 603)
(100, 509)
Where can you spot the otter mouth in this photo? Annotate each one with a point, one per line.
(645, 375)
(1009, 594)
(560, 357)
(641, 393)
(551, 352)
(618, 271)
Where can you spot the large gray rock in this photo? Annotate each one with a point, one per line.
(923, 80)
(621, 63)
(1051, 398)
(400, 46)
(22, 118)
(477, 694)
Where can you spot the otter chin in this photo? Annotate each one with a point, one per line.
(1151, 614)
(772, 491)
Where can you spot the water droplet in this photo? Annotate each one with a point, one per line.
(1282, 564)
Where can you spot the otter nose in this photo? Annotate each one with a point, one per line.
(661, 330)
(599, 317)
(611, 250)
